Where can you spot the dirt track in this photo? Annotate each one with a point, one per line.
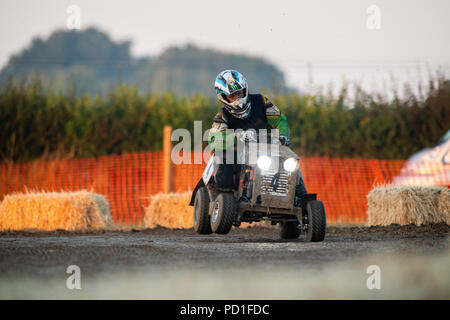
(49, 253)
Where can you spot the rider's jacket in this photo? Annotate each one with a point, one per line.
(263, 115)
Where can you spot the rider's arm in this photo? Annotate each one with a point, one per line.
(276, 119)
(219, 138)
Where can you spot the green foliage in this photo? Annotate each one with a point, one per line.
(40, 123)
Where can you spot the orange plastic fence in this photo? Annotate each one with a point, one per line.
(127, 181)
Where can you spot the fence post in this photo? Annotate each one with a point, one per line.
(167, 147)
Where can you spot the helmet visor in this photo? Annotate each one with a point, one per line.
(236, 95)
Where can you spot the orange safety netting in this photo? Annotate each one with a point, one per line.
(127, 181)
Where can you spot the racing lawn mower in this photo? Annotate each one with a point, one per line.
(265, 189)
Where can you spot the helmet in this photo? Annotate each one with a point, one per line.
(228, 82)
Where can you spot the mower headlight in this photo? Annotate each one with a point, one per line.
(264, 162)
(290, 164)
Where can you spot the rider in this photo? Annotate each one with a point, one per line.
(242, 110)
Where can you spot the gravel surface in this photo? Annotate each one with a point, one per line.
(49, 253)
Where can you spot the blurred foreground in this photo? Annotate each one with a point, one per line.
(248, 264)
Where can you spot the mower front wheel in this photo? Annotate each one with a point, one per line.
(316, 220)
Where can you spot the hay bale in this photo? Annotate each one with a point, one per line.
(173, 211)
(170, 210)
(79, 210)
(407, 205)
(444, 204)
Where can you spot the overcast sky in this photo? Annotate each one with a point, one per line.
(331, 35)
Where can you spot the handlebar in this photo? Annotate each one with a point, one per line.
(252, 136)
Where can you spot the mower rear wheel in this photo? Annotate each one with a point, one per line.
(289, 230)
(201, 212)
